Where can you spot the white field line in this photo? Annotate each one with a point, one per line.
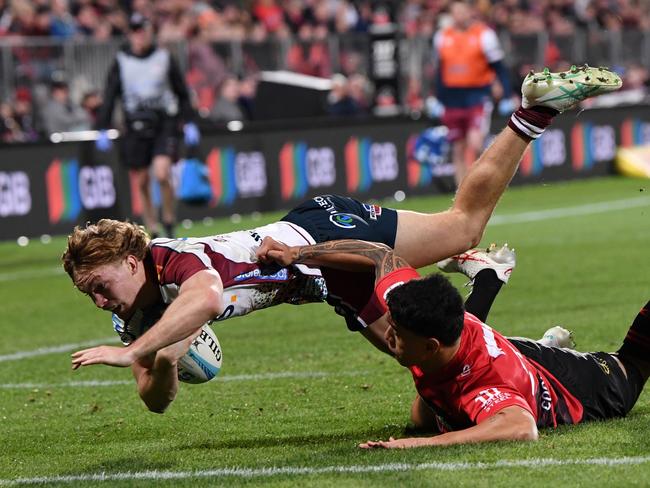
(31, 274)
(578, 210)
(534, 216)
(227, 378)
(42, 351)
(308, 470)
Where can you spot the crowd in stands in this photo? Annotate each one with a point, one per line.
(304, 29)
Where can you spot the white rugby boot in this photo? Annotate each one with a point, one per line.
(558, 337)
(564, 90)
(502, 260)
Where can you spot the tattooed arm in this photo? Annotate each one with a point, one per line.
(347, 254)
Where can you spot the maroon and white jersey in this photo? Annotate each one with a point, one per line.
(488, 374)
(247, 284)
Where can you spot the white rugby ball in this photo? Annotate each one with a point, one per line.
(202, 362)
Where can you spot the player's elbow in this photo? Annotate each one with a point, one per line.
(525, 428)
(212, 302)
(526, 433)
(158, 404)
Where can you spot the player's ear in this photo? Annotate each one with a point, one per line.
(433, 345)
(132, 262)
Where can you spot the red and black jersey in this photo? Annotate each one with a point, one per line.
(488, 374)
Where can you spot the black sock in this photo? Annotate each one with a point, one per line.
(169, 230)
(485, 290)
(637, 340)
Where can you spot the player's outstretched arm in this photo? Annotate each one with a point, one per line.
(199, 300)
(510, 424)
(156, 376)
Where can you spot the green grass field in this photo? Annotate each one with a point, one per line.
(298, 392)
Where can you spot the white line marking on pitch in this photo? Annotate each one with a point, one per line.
(308, 470)
(32, 273)
(535, 216)
(227, 378)
(42, 351)
(556, 213)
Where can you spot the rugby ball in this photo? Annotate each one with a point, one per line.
(202, 362)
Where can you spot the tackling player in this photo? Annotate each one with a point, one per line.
(473, 384)
(115, 265)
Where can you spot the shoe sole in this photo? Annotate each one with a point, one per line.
(566, 89)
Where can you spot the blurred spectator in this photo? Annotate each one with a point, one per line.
(17, 118)
(227, 107)
(360, 90)
(63, 24)
(206, 73)
(339, 101)
(247, 91)
(60, 114)
(24, 115)
(269, 13)
(309, 55)
(91, 102)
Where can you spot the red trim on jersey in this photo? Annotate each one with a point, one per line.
(393, 280)
(377, 307)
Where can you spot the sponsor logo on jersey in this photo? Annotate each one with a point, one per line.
(339, 219)
(603, 365)
(346, 221)
(257, 274)
(466, 370)
(374, 211)
(490, 397)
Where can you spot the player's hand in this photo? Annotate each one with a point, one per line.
(272, 251)
(393, 443)
(103, 143)
(109, 355)
(191, 134)
(434, 108)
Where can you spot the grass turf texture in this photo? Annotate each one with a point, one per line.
(589, 273)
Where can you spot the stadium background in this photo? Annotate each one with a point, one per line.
(350, 130)
(297, 391)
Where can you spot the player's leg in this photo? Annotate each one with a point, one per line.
(458, 154)
(636, 345)
(143, 185)
(488, 271)
(423, 239)
(162, 169)
(165, 153)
